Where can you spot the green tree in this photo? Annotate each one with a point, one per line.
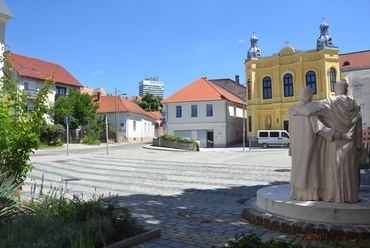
(79, 107)
(149, 102)
(19, 130)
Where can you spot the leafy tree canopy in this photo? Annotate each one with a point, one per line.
(150, 102)
(79, 107)
(19, 129)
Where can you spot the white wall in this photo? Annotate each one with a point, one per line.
(135, 126)
(226, 122)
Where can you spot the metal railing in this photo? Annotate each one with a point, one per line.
(30, 94)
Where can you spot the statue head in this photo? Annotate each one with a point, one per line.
(341, 87)
(305, 95)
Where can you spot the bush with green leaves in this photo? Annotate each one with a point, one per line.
(51, 134)
(64, 220)
(19, 130)
(90, 140)
(79, 106)
(179, 139)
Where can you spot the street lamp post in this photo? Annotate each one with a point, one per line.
(116, 113)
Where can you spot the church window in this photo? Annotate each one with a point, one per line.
(333, 79)
(267, 88)
(288, 85)
(311, 81)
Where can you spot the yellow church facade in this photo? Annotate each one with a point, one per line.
(274, 82)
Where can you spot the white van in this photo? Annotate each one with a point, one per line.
(273, 138)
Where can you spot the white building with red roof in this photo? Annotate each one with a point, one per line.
(129, 119)
(206, 111)
(32, 73)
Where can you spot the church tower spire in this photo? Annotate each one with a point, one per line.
(324, 41)
(254, 52)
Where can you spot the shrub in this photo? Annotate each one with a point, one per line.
(50, 134)
(64, 220)
(10, 205)
(90, 140)
(179, 139)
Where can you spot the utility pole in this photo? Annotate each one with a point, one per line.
(116, 114)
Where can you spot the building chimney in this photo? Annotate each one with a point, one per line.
(237, 79)
(99, 96)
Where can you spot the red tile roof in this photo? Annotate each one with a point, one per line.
(202, 90)
(354, 61)
(40, 69)
(107, 105)
(156, 115)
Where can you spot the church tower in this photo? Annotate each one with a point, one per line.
(254, 52)
(324, 41)
(5, 15)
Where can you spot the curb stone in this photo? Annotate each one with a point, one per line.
(260, 217)
(137, 239)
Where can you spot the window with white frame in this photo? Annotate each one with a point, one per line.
(209, 109)
(134, 126)
(178, 111)
(194, 110)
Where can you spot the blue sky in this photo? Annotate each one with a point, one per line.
(117, 43)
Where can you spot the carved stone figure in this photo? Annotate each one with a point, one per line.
(338, 159)
(307, 135)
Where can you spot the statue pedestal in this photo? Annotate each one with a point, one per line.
(273, 209)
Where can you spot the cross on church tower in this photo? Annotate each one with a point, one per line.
(286, 43)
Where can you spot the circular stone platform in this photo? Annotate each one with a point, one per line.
(273, 209)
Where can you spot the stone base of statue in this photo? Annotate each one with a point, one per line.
(273, 209)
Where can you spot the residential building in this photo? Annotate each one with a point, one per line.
(157, 116)
(274, 82)
(206, 112)
(131, 122)
(5, 15)
(355, 67)
(31, 74)
(232, 85)
(93, 91)
(152, 85)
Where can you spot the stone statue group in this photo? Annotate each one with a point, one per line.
(325, 141)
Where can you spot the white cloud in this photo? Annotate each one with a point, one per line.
(241, 41)
(97, 72)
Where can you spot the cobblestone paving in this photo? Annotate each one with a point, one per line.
(195, 199)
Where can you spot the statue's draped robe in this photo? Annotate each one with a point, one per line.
(342, 114)
(340, 158)
(305, 145)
